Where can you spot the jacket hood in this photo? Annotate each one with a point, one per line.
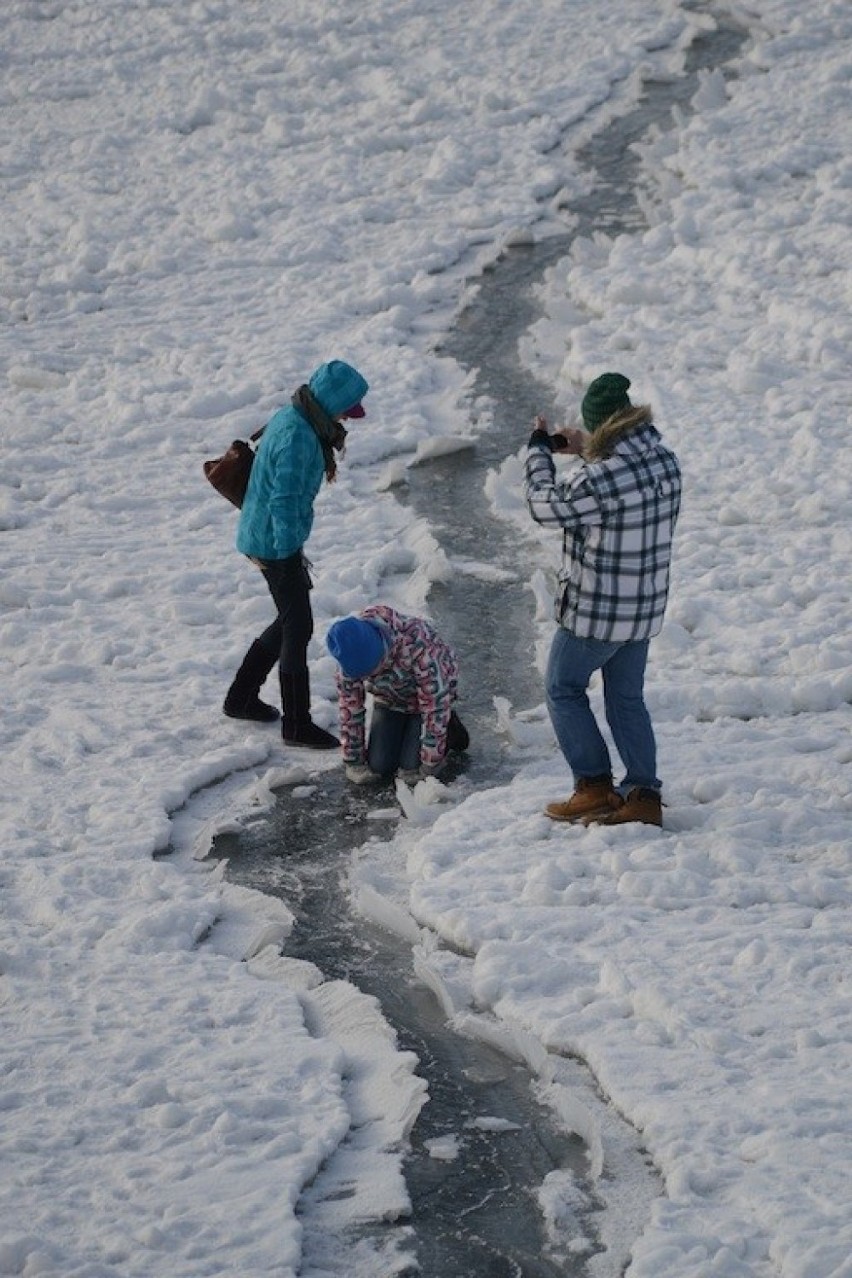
(337, 386)
(601, 443)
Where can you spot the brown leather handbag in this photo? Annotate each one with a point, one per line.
(229, 474)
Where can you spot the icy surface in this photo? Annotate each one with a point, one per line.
(201, 203)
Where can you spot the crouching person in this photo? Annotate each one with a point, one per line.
(412, 675)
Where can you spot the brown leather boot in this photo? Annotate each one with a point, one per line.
(592, 795)
(641, 805)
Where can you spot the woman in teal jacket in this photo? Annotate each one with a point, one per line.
(296, 450)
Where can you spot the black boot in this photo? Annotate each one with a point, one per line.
(458, 737)
(242, 701)
(298, 729)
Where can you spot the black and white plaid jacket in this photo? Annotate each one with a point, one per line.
(618, 516)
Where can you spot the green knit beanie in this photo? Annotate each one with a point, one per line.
(606, 395)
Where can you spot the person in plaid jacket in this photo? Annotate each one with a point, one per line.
(617, 512)
(412, 676)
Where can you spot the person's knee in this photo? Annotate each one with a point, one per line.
(626, 702)
(296, 632)
(558, 692)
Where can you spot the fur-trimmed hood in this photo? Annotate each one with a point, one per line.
(601, 443)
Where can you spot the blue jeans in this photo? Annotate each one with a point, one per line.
(394, 740)
(571, 664)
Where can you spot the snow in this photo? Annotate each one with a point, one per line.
(201, 203)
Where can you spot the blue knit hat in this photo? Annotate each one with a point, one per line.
(357, 645)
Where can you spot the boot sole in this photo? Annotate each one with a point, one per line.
(581, 817)
(655, 825)
(251, 718)
(615, 817)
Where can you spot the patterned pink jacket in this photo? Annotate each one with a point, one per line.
(419, 675)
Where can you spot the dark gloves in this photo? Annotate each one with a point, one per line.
(541, 439)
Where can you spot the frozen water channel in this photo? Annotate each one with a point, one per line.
(475, 1214)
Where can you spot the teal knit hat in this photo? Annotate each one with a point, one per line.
(606, 395)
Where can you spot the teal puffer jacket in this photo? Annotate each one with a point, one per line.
(278, 511)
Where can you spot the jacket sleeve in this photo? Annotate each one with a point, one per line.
(296, 479)
(570, 503)
(352, 702)
(435, 695)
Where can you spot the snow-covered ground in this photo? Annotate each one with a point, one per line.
(201, 202)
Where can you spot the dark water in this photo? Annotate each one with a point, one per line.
(475, 1215)
(471, 1216)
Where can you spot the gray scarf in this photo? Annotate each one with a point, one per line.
(330, 433)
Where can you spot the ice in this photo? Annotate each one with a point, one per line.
(201, 205)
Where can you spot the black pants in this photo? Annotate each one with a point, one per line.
(290, 633)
